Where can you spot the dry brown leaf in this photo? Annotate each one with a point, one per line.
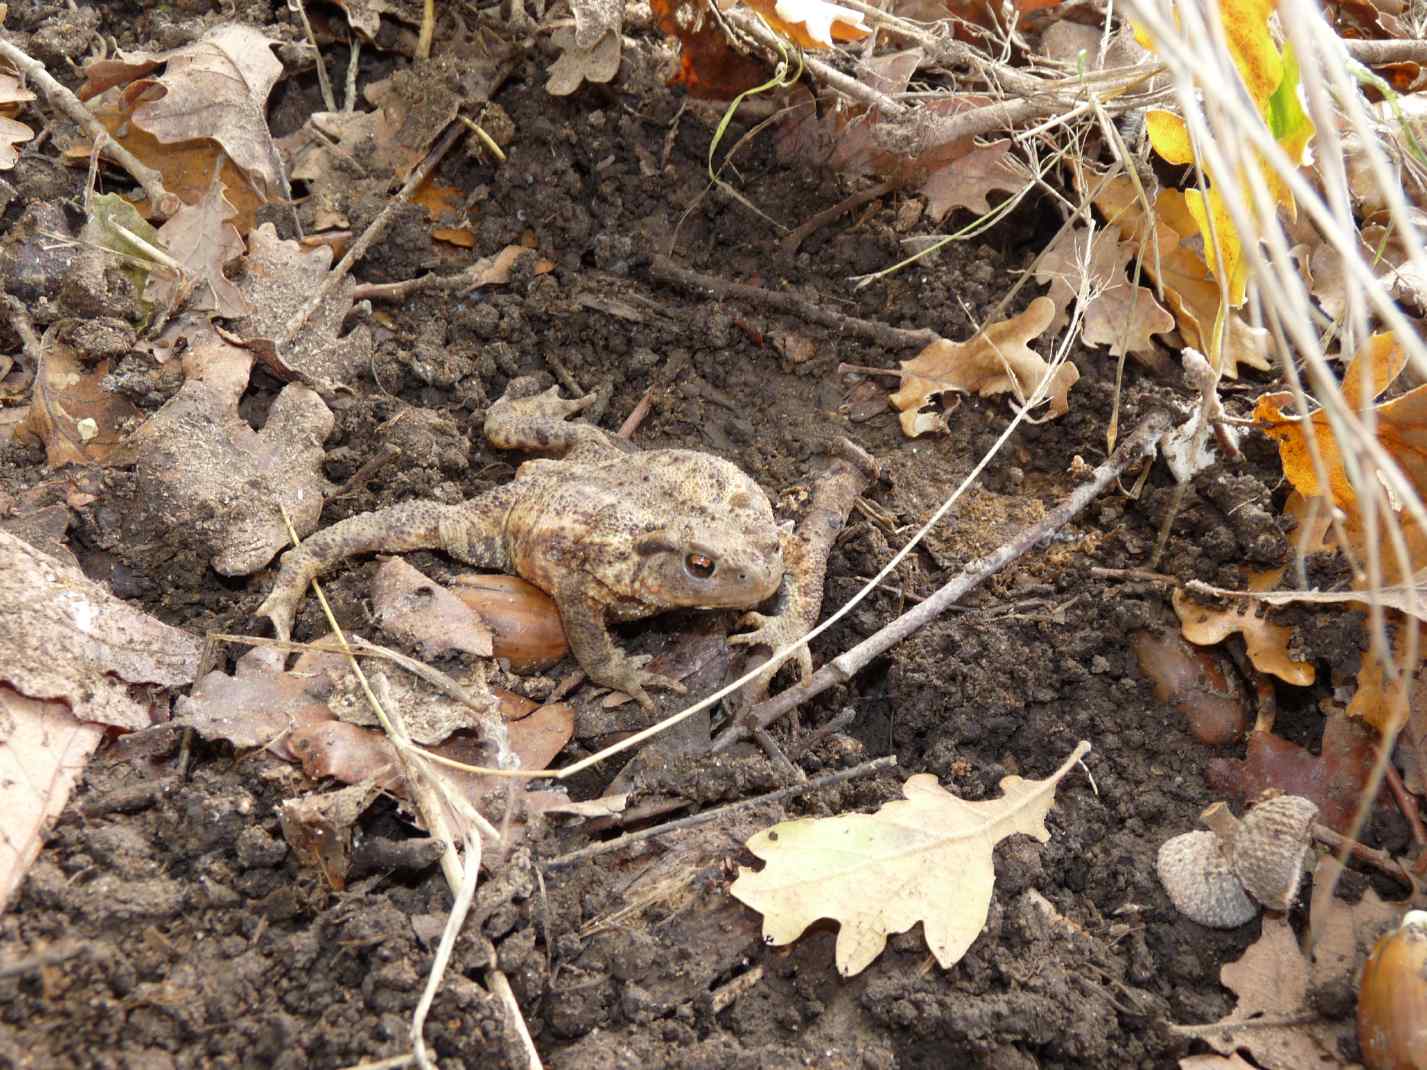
(65, 638)
(348, 159)
(430, 716)
(1388, 701)
(203, 239)
(1118, 314)
(215, 88)
(1271, 981)
(187, 167)
(1334, 779)
(1189, 288)
(78, 421)
(419, 611)
(1266, 643)
(43, 751)
(260, 704)
(1342, 933)
(12, 133)
(12, 92)
(319, 828)
(996, 361)
(812, 23)
(926, 858)
(281, 275)
(210, 474)
(965, 181)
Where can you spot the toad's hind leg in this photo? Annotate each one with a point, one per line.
(526, 420)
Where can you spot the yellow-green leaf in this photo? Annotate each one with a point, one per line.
(1169, 136)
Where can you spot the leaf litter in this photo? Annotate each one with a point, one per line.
(235, 70)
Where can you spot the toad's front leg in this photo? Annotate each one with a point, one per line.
(598, 654)
(805, 554)
(470, 532)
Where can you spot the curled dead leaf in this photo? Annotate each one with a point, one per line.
(996, 361)
(1265, 642)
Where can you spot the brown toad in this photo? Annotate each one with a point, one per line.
(608, 531)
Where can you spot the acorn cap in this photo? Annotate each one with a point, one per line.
(1195, 871)
(1268, 849)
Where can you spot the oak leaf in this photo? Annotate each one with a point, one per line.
(203, 239)
(924, 858)
(201, 464)
(215, 88)
(1271, 981)
(1118, 314)
(996, 360)
(1163, 239)
(1401, 429)
(1265, 642)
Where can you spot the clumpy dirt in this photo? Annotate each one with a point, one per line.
(178, 930)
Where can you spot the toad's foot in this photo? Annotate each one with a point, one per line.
(625, 672)
(299, 569)
(775, 632)
(525, 420)
(805, 554)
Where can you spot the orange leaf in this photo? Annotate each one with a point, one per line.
(811, 23)
(710, 68)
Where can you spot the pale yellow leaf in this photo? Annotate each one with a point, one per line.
(926, 858)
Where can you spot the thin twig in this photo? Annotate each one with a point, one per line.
(500, 987)
(354, 60)
(369, 236)
(629, 840)
(1141, 443)
(323, 82)
(664, 269)
(1369, 856)
(800, 234)
(163, 202)
(1377, 53)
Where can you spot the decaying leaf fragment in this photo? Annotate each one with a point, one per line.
(1265, 642)
(206, 469)
(1271, 982)
(281, 276)
(996, 361)
(926, 858)
(65, 638)
(78, 421)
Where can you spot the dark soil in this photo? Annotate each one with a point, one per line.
(194, 936)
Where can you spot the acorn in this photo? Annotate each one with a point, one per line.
(1269, 848)
(1220, 877)
(1195, 870)
(1392, 999)
(524, 622)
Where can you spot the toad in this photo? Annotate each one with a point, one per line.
(609, 532)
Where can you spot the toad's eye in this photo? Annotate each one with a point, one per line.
(699, 566)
